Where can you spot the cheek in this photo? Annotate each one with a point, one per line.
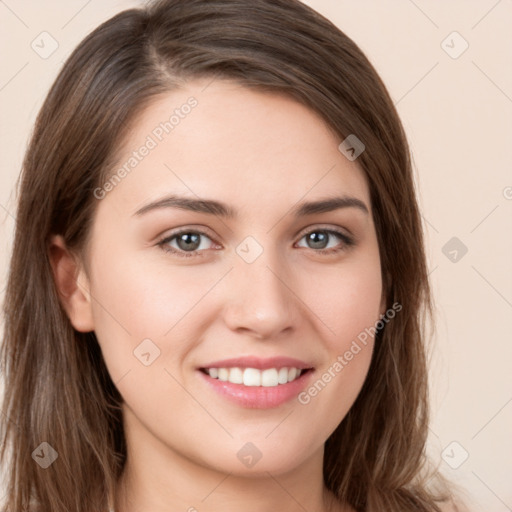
(348, 299)
(348, 305)
(135, 301)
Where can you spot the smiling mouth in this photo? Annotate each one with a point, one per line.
(253, 377)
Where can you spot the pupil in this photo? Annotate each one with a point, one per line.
(318, 238)
(188, 241)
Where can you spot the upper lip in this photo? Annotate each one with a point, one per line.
(259, 363)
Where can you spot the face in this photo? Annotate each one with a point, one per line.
(231, 328)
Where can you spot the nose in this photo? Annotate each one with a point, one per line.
(261, 301)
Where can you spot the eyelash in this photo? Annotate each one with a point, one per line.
(163, 244)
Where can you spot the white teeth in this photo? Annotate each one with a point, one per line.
(282, 377)
(252, 377)
(270, 377)
(236, 376)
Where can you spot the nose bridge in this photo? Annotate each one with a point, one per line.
(261, 299)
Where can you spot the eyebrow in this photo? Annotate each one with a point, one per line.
(218, 208)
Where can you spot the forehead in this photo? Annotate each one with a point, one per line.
(243, 146)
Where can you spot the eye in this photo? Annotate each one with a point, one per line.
(186, 243)
(320, 240)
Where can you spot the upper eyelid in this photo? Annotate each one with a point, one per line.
(324, 227)
(179, 231)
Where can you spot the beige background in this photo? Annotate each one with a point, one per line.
(458, 116)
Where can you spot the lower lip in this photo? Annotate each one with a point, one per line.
(258, 397)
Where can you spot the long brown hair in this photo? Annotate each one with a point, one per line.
(57, 386)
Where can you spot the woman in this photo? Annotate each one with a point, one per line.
(218, 284)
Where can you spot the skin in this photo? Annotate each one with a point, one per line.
(262, 154)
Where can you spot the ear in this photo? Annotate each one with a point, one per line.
(72, 285)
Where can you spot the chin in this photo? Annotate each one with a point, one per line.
(258, 458)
